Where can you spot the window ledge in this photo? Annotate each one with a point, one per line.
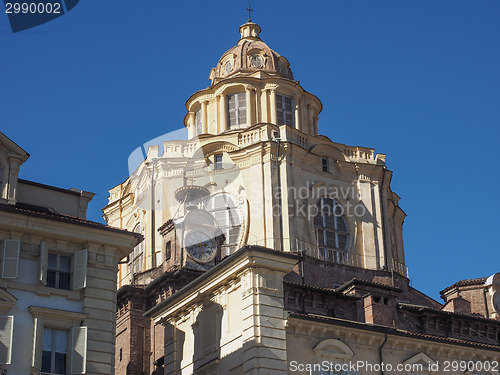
(57, 318)
(74, 295)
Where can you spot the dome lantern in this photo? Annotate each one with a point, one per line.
(250, 31)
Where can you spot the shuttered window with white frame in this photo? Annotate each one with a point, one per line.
(51, 343)
(6, 334)
(56, 279)
(10, 261)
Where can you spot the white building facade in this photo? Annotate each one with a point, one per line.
(57, 277)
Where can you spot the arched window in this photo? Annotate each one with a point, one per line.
(236, 110)
(224, 210)
(331, 230)
(284, 110)
(136, 257)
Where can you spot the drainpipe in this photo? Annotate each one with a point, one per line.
(486, 302)
(153, 259)
(278, 141)
(380, 355)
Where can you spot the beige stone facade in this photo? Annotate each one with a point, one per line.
(271, 170)
(271, 249)
(57, 277)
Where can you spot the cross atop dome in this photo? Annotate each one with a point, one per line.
(249, 12)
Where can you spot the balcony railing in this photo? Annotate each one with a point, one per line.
(332, 255)
(313, 250)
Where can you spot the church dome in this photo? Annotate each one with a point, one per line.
(249, 56)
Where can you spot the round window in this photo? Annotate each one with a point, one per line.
(228, 67)
(257, 61)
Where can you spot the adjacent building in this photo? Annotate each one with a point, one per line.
(271, 249)
(57, 277)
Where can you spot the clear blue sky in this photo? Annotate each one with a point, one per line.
(416, 80)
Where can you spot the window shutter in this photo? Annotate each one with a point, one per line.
(6, 328)
(44, 261)
(10, 258)
(80, 270)
(37, 344)
(79, 350)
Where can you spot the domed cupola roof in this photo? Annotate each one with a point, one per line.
(249, 57)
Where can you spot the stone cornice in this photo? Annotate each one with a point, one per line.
(213, 90)
(55, 227)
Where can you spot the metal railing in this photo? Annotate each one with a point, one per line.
(313, 250)
(333, 255)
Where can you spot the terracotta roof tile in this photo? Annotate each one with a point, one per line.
(466, 282)
(368, 283)
(410, 306)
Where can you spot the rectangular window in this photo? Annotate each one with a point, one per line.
(197, 122)
(284, 110)
(135, 259)
(54, 351)
(59, 344)
(324, 164)
(63, 272)
(168, 250)
(218, 162)
(59, 271)
(236, 110)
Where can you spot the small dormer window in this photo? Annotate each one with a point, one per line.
(284, 110)
(237, 112)
(324, 164)
(218, 162)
